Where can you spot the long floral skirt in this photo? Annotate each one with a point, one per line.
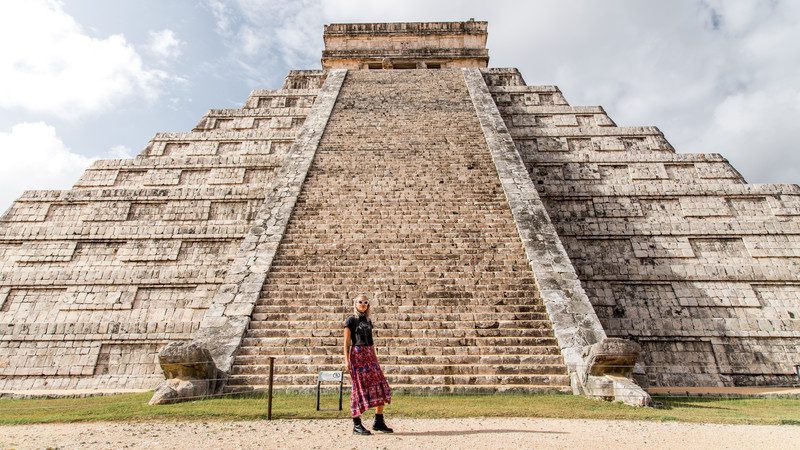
(370, 387)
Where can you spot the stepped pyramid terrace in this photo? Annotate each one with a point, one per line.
(511, 242)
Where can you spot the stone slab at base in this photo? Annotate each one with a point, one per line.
(68, 393)
(725, 391)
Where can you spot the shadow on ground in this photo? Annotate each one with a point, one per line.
(468, 432)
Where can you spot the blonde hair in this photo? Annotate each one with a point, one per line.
(355, 306)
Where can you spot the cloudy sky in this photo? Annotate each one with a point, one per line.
(87, 79)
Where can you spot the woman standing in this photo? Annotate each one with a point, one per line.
(370, 388)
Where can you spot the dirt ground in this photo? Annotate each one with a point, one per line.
(477, 433)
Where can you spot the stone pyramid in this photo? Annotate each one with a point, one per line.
(511, 241)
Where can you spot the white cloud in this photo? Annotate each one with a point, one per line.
(262, 34)
(694, 68)
(164, 44)
(48, 64)
(34, 157)
(756, 130)
(222, 15)
(719, 76)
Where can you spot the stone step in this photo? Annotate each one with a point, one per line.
(417, 388)
(389, 311)
(385, 271)
(299, 247)
(144, 275)
(335, 348)
(282, 135)
(384, 334)
(473, 205)
(562, 185)
(477, 292)
(10, 231)
(545, 89)
(420, 216)
(661, 189)
(404, 312)
(457, 279)
(446, 262)
(626, 157)
(414, 369)
(189, 162)
(523, 132)
(259, 112)
(415, 380)
(337, 359)
(450, 282)
(376, 234)
(412, 303)
(392, 342)
(473, 260)
(140, 194)
(306, 92)
(415, 312)
(455, 323)
(642, 227)
(388, 320)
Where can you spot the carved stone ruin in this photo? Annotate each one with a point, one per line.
(511, 241)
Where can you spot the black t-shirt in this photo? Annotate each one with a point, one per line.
(360, 330)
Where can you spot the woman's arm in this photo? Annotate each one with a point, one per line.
(346, 349)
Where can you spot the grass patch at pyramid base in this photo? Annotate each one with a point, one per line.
(134, 407)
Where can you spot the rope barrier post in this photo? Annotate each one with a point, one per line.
(269, 390)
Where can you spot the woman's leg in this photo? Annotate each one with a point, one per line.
(358, 428)
(380, 424)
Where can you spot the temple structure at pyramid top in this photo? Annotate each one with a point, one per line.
(511, 241)
(410, 45)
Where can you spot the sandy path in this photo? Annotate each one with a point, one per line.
(410, 433)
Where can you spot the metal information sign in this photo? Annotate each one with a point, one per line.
(330, 376)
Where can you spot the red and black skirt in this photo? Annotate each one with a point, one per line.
(370, 387)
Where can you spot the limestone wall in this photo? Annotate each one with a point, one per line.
(403, 201)
(94, 280)
(675, 250)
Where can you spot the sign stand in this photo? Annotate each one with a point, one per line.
(330, 375)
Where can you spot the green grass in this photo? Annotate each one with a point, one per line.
(133, 407)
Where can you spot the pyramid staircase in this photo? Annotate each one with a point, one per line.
(403, 202)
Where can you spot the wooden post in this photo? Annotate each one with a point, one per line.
(341, 387)
(269, 391)
(319, 388)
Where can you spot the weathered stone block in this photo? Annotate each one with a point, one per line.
(190, 373)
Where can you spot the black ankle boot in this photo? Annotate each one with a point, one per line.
(380, 425)
(358, 428)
